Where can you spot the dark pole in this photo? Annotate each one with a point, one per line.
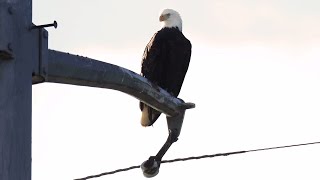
(16, 52)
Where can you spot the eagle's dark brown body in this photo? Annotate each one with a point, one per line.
(165, 63)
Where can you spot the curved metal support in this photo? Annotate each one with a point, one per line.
(150, 167)
(77, 70)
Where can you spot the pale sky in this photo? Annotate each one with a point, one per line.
(254, 77)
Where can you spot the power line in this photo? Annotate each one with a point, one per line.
(108, 173)
(199, 157)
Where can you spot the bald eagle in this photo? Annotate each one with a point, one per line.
(165, 60)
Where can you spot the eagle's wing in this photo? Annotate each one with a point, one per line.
(152, 68)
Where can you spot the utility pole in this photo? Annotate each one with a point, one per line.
(26, 60)
(17, 51)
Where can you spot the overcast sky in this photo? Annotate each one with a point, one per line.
(254, 77)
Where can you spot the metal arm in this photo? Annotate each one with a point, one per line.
(77, 70)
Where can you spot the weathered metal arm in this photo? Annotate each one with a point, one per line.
(77, 70)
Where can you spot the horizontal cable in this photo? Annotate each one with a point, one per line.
(198, 157)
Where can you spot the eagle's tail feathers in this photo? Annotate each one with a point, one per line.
(149, 115)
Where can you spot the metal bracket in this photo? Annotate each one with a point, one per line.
(150, 167)
(40, 67)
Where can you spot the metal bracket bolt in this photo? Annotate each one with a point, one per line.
(6, 54)
(54, 24)
(10, 10)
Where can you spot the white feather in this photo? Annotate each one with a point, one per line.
(145, 117)
(174, 19)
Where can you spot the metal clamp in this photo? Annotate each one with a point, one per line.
(40, 67)
(150, 167)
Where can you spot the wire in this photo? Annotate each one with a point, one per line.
(108, 173)
(198, 157)
(236, 152)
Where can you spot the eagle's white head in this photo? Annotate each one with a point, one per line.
(171, 18)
